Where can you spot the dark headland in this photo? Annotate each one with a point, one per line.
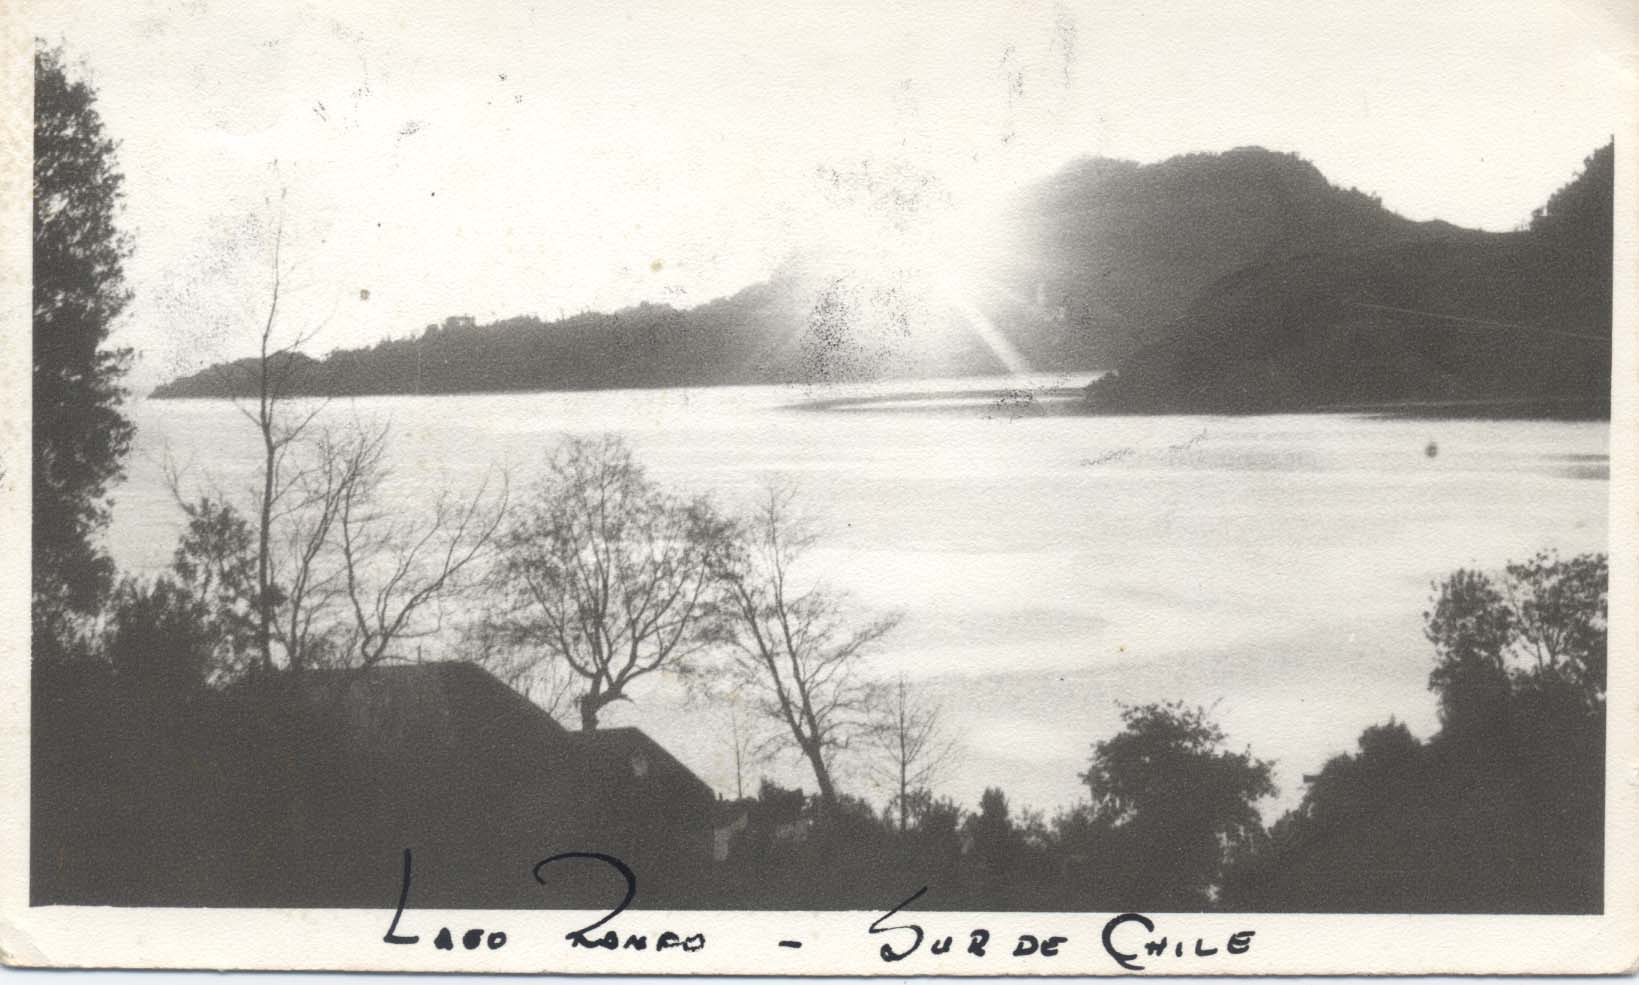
(1241, 282)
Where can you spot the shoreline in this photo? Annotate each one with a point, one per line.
(1024, 400)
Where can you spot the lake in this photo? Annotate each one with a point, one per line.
(1048, 565)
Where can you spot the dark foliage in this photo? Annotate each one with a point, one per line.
(80, 434)
(1503, 810)
(215, 559)
(727, 341)
(1176, 802)
(1171, 808)
(161, 775)
(1541, 630)
(1573, 234)
(792, 851)
(1470, 627)
(1506, 323)
(161, 642)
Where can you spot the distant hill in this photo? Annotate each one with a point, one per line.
(793, 327)
(1112, 252)
(1095, 267)
(1513, 320)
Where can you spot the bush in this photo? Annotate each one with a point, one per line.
(161, 642)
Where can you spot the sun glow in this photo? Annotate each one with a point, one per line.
(918, 273)
(956, 297)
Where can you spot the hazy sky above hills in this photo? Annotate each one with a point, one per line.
(501, 159)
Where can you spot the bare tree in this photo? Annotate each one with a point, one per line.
(306, 582)
(338, 579)
(270, 375)
(398, 568)
(912, 748)
(795, 650)
(608, 573)
(742, 744)
(346, 578)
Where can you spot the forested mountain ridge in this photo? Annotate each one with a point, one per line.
(1519, 320)
(1118, 251)
(1105, 264)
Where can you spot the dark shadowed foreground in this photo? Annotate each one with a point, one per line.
(305, 790)
(305, 793)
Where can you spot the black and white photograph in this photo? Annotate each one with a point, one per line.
(891, 488)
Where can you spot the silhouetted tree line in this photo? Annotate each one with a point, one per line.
(650, 345)
(1168, 807)
(1501, 811)
(169, 710)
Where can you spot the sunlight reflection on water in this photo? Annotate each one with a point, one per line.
(1047, 565)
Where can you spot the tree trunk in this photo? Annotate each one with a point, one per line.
(591, 703)
(264, 594)
(904, 761)
(904, 790)
(822, 777)
(739, 771)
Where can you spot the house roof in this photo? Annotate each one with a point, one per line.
(456, 704)
(616, 751)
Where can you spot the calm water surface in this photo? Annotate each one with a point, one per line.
(1048, 566)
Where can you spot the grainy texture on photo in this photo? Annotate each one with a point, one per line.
(940, 472)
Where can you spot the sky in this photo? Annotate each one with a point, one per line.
(498, 159)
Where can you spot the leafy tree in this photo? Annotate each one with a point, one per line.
(80, 434)
(215, 561)
(1178, 803)
(1543, 626)
(1503, 809)
(1470, 626)
(934, 840)
(1559, 613)
(995, 839)
(162, 643)
(1348, 785)
(1582, 208)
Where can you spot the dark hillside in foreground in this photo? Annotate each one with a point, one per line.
(1086, 267)
(1516, 317)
